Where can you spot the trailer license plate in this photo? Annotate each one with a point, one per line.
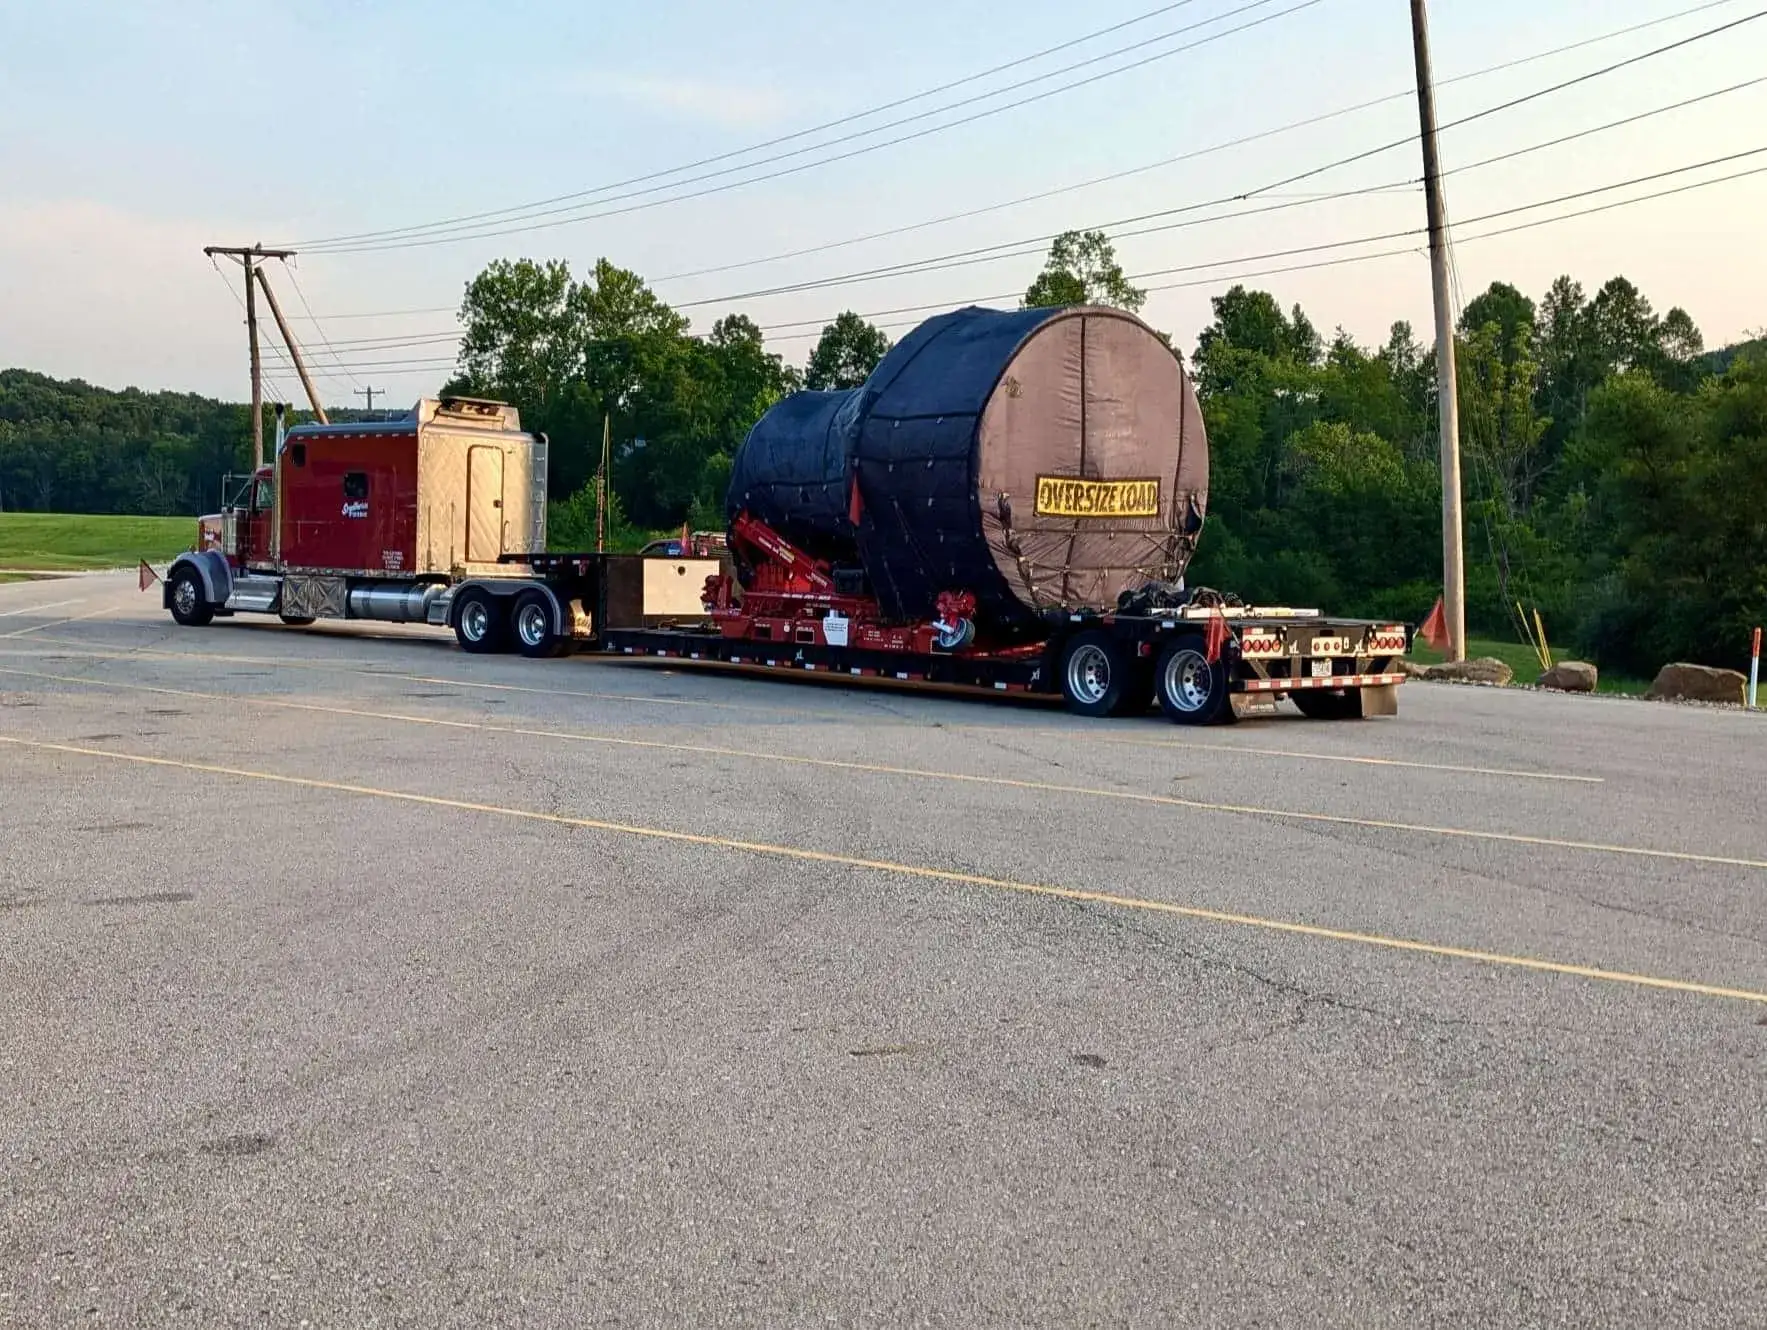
(1321, 669)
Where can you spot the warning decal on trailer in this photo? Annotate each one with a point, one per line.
(1063, 496)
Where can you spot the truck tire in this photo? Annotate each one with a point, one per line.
(1190, 689)
(481, 623)
(1320, 704)
(532, 623)
(190, 606)
(1098, 676)
(297, 620)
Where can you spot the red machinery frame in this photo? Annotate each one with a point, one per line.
(791, 597)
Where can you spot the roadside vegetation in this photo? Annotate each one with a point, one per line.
(1615, 471)
(65, 542)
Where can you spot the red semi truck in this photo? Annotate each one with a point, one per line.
(439, 519)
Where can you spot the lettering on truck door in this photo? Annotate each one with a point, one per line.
(484, 504)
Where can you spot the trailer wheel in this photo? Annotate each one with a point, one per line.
(189, 605)
(298, 620)
(1318, 704)
(480, 623)
(532, 619)
(1190, 689)
(1097, 675)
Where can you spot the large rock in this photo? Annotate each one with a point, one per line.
(1571, 676)
(1488, 670)
(1697, 683)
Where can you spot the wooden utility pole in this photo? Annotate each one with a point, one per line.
(294, 352)
(1447, 378)
(247, 257)
(251, 332)
(601, 487)
(369, 392)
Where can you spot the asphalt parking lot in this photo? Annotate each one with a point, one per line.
(353, 981)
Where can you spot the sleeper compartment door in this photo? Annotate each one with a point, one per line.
(484, 504)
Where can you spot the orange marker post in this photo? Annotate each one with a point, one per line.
(1755, 670)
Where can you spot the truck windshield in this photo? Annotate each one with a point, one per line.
(266, 497)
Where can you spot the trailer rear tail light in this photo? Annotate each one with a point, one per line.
(1387, 642)
(1255, 645)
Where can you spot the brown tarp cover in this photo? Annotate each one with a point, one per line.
(1091, 396)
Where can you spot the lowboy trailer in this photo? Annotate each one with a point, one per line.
(439, 519)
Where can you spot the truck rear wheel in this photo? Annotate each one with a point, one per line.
(1191, 690)
(1098, 676)
(481, 624)
(297, 620)
(534, 635)
(190, 606)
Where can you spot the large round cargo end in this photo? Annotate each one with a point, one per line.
(1039, 459)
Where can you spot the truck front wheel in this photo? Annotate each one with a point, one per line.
(480, 623)
(1192, 691)
(190, 606)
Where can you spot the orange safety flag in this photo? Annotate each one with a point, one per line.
(1435, 628)
(147, 575)
(1216, 636)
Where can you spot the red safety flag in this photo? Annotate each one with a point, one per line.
(1216, 636)
(1435, 628)
(147, 575)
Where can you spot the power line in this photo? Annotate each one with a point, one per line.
(1018, 247)
(317, 326)
(1535, 57)
(1240, 274)
(439, 233)
(1389, 253)
(577, 198)
(1021, 248)
(1196, 153)
(773, 142)
(481, 233)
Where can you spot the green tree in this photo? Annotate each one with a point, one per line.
(846, 353)
(524, 329)
(1082, 269)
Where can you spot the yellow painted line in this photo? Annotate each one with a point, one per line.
(59, 623)
(1326, 757)
(799, 854)
(921, 773)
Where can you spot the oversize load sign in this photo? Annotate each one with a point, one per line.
(1063, 496)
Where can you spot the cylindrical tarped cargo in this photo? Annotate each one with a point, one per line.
(1039, 459)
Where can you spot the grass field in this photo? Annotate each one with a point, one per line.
(1522, 660)
(72, 541)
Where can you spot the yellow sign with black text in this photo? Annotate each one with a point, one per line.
(1065, 496)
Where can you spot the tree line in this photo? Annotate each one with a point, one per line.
(1615, 473)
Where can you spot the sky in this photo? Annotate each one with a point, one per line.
(131, 135)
